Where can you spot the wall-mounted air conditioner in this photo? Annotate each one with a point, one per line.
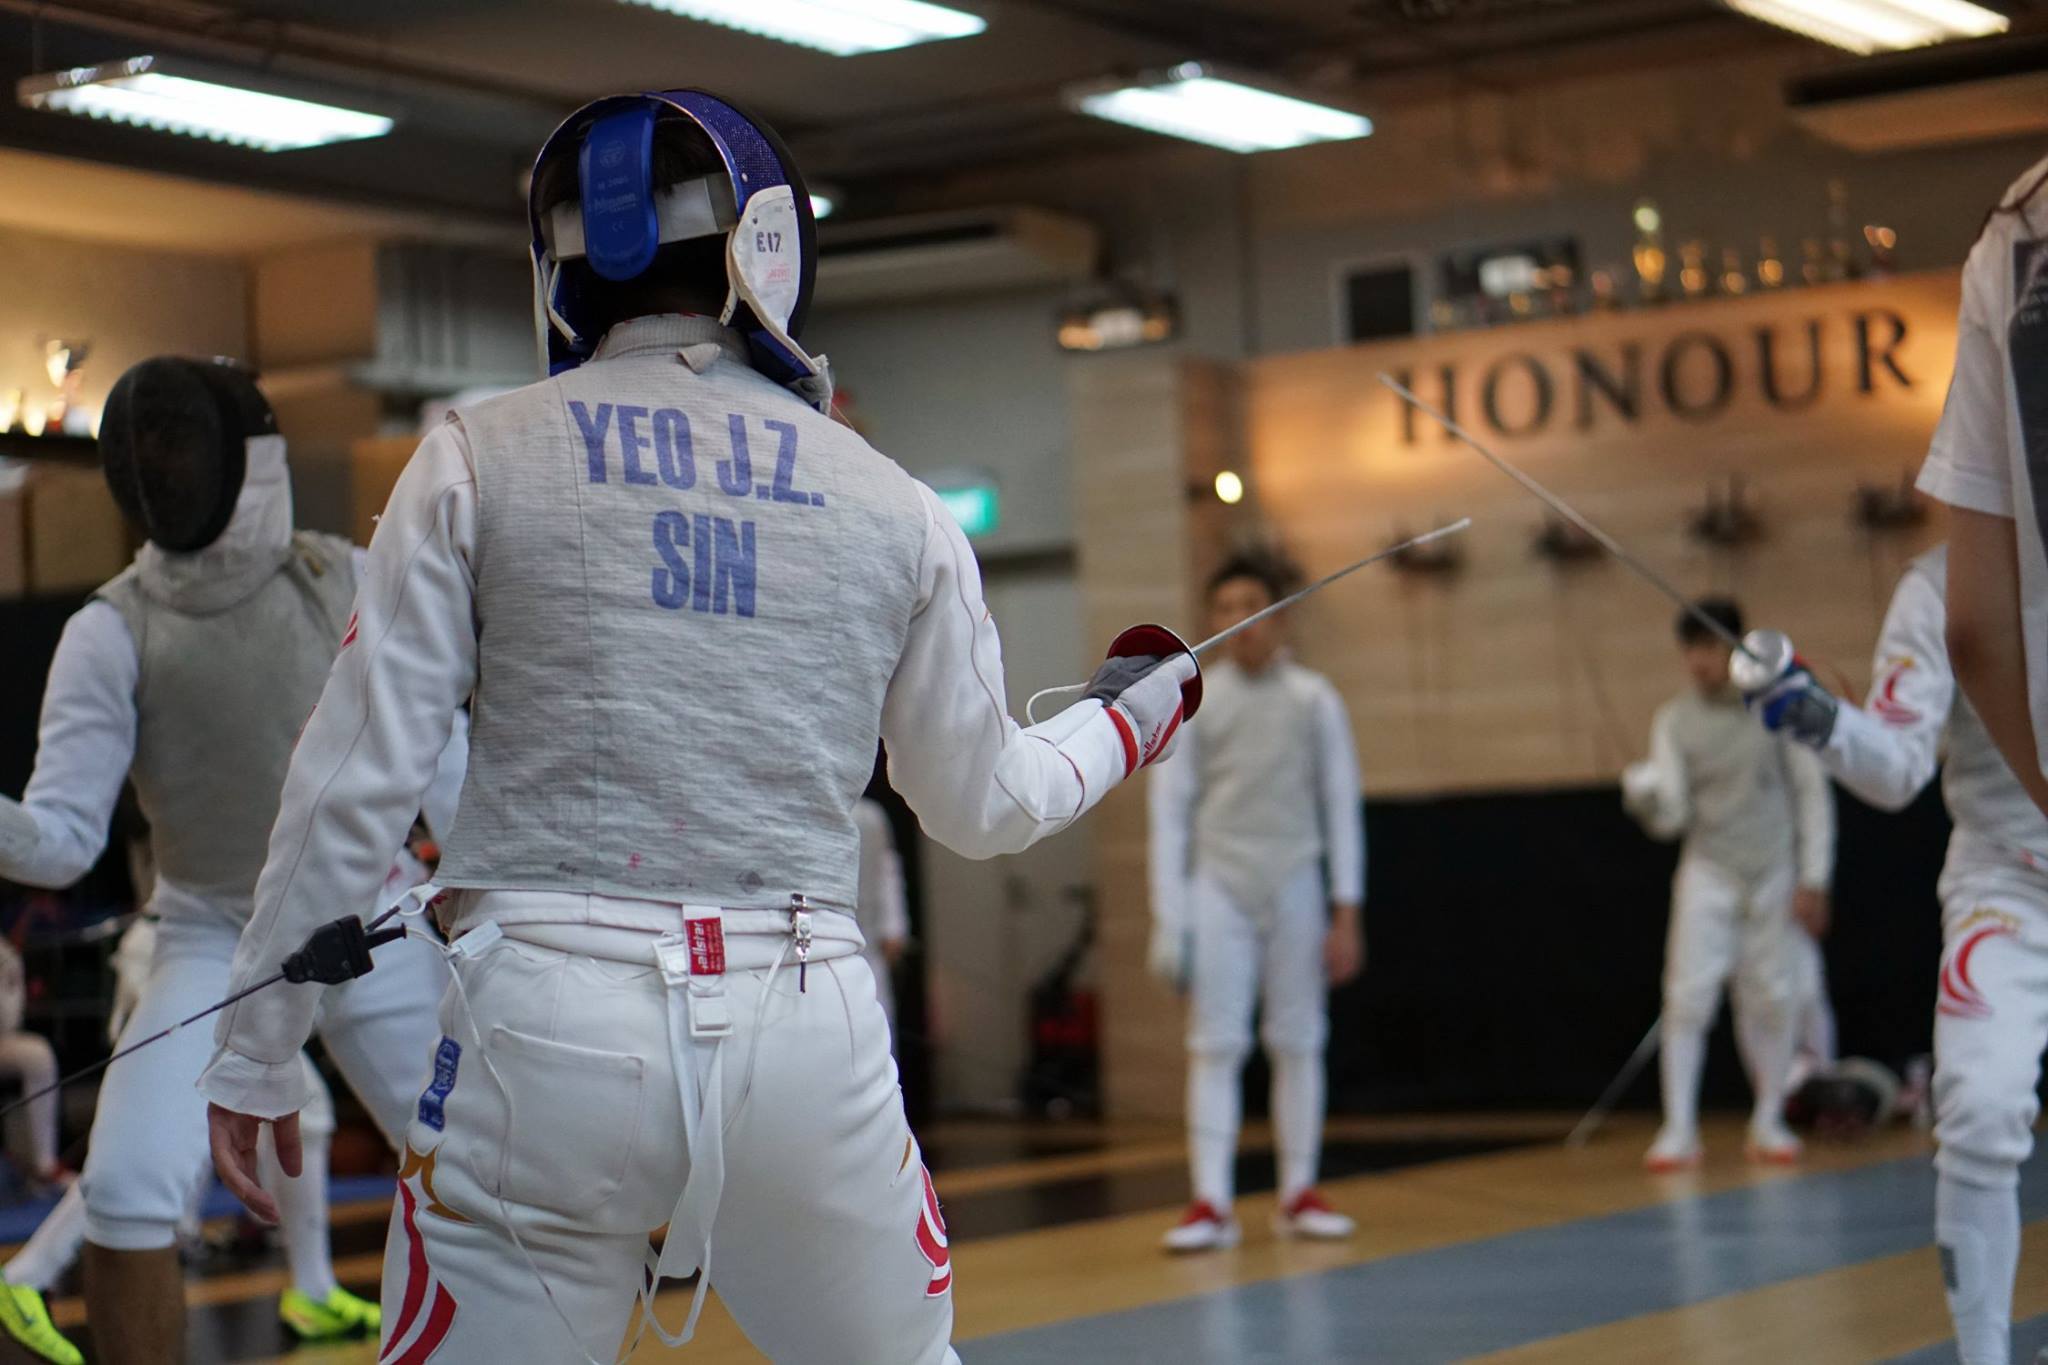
(975, 251)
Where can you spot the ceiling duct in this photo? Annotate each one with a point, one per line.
(932, 255)
(1955, 92)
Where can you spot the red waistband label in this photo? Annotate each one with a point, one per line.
(707, 946)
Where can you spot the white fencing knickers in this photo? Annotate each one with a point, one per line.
(149, 1143)
(1991, 1013)
(826, 1241)
(1721, 929)
(1267, 958)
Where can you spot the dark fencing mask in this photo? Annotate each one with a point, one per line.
(1847, 1100)
(174, 445)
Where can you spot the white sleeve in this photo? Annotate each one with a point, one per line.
(1969, 462)
(980, 784)
(445, 792)
(1888, 751)
(84, 747)
(1173, 791)
(1813, 814)
(1655, 791)
(362, 765)
(1337, 774)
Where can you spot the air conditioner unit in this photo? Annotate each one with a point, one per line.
(1954, 92)
(976, 251)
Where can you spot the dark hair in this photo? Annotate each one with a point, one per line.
(1269, 570)
(1693, 631)
(2018, 203)
(685, 276)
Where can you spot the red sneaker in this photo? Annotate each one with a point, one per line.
(1309, 1215)
(1202, 1228)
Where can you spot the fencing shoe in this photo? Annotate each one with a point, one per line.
(1202, 1228)
(339, 1315)
(1676, 1149)
(27, 1321)
(1310, 1216)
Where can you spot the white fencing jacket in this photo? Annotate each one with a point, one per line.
(980, 784)
(1888, 751)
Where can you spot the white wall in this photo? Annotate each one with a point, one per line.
(971, 384)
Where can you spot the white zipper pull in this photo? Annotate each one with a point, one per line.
(800, 925)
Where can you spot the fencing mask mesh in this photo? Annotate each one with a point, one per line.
(173, 444)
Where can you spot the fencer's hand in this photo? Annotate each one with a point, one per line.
(1777, 685)
(233, 1137)
(1344, 945)
(1142, 693)
(892, 951)
(1813, 910)
(1167, 957)
(1639, 786)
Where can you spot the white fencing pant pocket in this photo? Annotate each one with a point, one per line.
(568, 1131)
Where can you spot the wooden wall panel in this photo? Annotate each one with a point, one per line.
(1513, 672)
(1144, 429)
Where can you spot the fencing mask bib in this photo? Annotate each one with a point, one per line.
(174, 446)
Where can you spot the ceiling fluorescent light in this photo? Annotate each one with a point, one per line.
(1867, 26)
(147, 93)
(844, 28)
(1192, 101)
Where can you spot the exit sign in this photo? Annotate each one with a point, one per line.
(977, 507)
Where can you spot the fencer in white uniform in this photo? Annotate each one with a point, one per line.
(1257, 865)
(884, 912)
(191, 674)
(1989, 463)
(1758, 822)
(688, 604)
(1991, 1002)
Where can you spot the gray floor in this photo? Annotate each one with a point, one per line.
(1465, 1300)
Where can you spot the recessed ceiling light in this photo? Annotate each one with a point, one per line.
(147, 92)
(1877, 25)
(841, 27)
(1192, 101)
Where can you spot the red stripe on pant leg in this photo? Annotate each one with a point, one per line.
(439, 1319)
(931, 1203)
(931, 1237)
(939, 1285)
(415, 1270)
(929, 1244)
